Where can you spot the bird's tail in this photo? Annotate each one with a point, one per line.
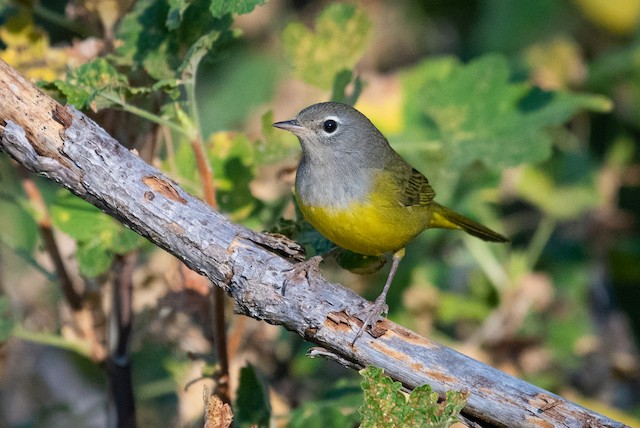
(444, 217)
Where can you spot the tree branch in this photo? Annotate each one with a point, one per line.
(66, 146)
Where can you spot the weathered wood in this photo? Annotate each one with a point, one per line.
(66, 146)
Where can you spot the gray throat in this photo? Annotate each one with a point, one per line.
(334, 182)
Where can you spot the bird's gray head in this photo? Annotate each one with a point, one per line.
(335, 129)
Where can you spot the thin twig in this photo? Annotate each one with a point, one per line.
(218, 297)
(85, 317)
(205, 172)
(119, 361)
(74, 299)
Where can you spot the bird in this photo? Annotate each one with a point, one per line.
(361, 195)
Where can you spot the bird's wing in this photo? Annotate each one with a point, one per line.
(416, 189)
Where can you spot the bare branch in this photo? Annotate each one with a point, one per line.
(66, 146)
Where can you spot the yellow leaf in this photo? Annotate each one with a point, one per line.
(617, 16)
(29, 51)
(382, 104)
(109, 12)
(556, 64)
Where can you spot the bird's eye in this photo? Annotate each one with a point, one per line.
(330, 126)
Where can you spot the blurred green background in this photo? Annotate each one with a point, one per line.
(523, 115)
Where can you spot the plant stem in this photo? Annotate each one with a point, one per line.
(49, 241)
(148, 115)
(487, 261)
(218, 296)
(83, 312)
(50, 339)
(205, 172)
(119, 362)
(192, 100)
(539, 240)
(60, 20)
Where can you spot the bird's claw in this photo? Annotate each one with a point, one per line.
(302, 269)
(370, 316)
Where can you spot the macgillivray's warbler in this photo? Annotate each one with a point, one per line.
(361, 194)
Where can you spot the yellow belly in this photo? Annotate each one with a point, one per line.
(369, 228)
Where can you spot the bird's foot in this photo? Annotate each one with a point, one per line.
(370, 316)
(302, 270)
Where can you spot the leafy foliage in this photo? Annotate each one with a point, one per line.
(479, 115)
(7, 321)
(28, 47)
(252, 404)
(99, 236)
(155, 36)
(339, 39)
(96, 84)
(337, 407)
(385, 405)
(222, 7)
(16, 217)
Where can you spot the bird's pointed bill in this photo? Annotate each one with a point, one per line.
(289, 125)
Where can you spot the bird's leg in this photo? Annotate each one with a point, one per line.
(371, 313)
(308, 266)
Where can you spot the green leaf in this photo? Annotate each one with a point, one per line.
(7, 322)
(93, 258)
(252, 404)
(568, 176)
(383, 400)
(476, 113)
(239, 84)
(431, 72)
(79, 219)
(18, 215)
(451, 407)
(125, 240)
(340, 83)
(423, 397)
(232, 161)
(274, 148)
(156, 34)
(92, 84)
(385, 405)
(19, 229)
(482, 129)
(168, 86)
(237, 198)
(339, 40)
(336, 408)
(509, 26)
(219, 8)
(315, 415)
(360, 264)
(5, 4)
(99, 236)
(145, 40)
(197, 51)
(537, 187)
(176, 12)
(205, 45)
(455, 307)
(218, 35)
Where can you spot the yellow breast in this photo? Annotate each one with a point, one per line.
(372, 227)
